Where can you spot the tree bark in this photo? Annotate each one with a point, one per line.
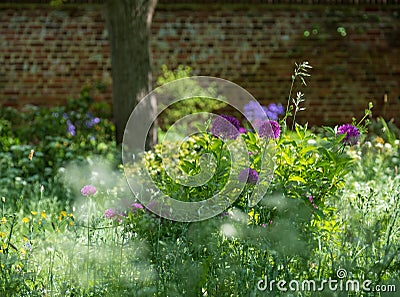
(128, 24)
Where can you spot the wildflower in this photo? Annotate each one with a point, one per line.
(34, 213)
(3, 235)
(71, 128)
(242, 130)
(43, 215)
(226, 127)
(71, 223)
(254, 111)
(30, 157)
(264, 225)
(136, 206)
(311, 199)
(352, 134)
(91, 122)
(110, 213)
(28, 246)
(63, 213)
(25, 220)
(248, 175)
(3, 220)
(274, 110)
(88, 190)
(269, 129)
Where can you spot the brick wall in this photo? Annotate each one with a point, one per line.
(48, 54)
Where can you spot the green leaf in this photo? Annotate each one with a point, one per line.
(297, 179)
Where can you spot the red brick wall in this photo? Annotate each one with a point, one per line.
(47, 55)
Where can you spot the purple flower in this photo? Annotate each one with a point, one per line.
(248, 175)
(91, 122)
(311, 198)
(269, 129)
(71, 128)
(242, 130)
(88, 190)
(110, 213)
(226, 127)
(352, 134)
(254, 111)
(136, 206)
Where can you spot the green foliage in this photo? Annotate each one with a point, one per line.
(178, 110)
(46, 134)
(55, 242)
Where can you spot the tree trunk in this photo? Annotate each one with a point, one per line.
(128, 24)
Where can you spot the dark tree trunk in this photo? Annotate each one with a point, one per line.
(128, 24)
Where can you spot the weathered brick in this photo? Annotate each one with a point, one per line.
(48, 55)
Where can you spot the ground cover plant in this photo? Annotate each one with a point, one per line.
(70, 226)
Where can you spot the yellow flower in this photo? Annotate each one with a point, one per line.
(25, 239)
(25, 220)
(34, 213)
(71, 223)
(2, 234)
(63, 213)
(1, 251)
(3, 220)
(379, 140)
(43, 214)
(71, 215)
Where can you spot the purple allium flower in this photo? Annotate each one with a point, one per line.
(136, 206)
(226, 127)
(269, 129)
(71, 128)
(248, 175)
(88, 190)
(352, 134)
(242, 130)
(110, 213)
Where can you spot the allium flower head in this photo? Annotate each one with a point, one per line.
(136, 206)
(352, 134)
(226, 127)
(110, 213)
(248, 175)
(269, 129)
(88, 190)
